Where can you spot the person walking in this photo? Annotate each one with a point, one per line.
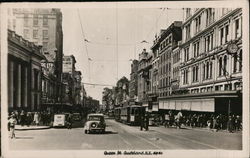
(12, 123)
(36, 119)
(69, 121)
(22, 118)
(178, 119)
(230, 124)
(167, 120)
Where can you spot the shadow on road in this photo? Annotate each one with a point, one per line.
(106, 132)
(24, 137)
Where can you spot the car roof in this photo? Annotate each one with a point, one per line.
(95, 114)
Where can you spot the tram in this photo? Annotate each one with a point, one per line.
(129, 115)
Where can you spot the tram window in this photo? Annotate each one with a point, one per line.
(132, 111)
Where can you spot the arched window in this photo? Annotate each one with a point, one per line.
(225, 65)
(240, 61)
(220, 66)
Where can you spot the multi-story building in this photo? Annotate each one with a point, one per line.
(78, 87)
(133, 82)
(24, 74)
(175, 70)
(144, 79)
(42, 27)
(164, 48)
(211, 68)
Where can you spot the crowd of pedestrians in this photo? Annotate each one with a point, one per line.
(216, 122)
(32, 118)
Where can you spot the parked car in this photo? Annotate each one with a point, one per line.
(60, 120)
(95, 122)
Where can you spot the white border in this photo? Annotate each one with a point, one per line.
(99, 153)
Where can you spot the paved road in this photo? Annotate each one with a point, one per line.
(120, 136)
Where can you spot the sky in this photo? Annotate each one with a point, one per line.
(109, 35)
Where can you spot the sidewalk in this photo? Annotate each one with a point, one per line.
(32, 127)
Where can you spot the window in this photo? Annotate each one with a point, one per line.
(240, 61)
(26, 33)
(222, 36)
(204, 71)
(197, 71)
(225, 65)
(235, 63)
(188, 32)
(26, 20)
(207, 70)
(226, 33)
(35, 20)
(45, 34)
(220, 66)
(237, 28)
(35, 34)
(45, 46)
(211, 70)
(210, 16)
(186, 54)
(194, 74)
(196, 49)
(197, 24)
(188, 12)
(45, 20)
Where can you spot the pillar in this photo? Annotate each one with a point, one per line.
(19, 84)
(25, 87)
(11, 86)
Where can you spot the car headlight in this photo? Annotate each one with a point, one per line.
(93, 125)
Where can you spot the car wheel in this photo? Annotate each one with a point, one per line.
(87, 131)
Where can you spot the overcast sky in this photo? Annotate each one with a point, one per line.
(101, 27)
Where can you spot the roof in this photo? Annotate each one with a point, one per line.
(95, 114)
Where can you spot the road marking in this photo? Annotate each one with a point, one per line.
(194, 141)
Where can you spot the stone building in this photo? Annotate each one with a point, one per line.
(24, 74)
(43, 27)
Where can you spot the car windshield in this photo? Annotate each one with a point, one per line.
(95, 118)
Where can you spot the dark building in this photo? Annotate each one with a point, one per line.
(24, 74)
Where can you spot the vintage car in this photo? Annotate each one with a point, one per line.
(95, 123)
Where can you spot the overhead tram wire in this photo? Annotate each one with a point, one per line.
(97, 84)
(83, 34)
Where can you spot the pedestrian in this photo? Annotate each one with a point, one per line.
(28, 119)
(22, 118)
(167, 120)
(237, 123)
(230, 124)
(69, 121)
(12, 122)
(36, 118)
(215, 123)
(178, 119)
(141, 119)
(147, 121)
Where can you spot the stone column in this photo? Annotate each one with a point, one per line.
(11, 86)
(26, 87)
(19, 84)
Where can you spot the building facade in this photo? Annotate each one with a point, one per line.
(24, 74)
(211, 76)
(43, 27)
(133, 92)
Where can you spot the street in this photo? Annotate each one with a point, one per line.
(120, 136)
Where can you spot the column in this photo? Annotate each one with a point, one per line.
(25, 87)
(11, 86)
(19, 84)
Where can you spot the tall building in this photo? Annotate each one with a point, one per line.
(211, 61)
(144, 74)
(164, 48)
(42, 27)
(133, 81)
